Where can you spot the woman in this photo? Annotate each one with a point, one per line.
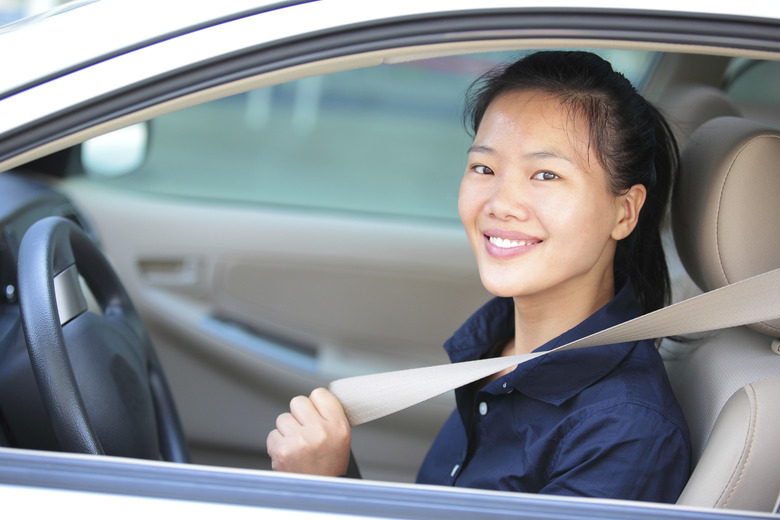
(562, 199)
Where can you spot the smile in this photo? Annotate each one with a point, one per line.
(505, 243)
(509, 247)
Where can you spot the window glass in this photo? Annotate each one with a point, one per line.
(751, 84)
(382, 140)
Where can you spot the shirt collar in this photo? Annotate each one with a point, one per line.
(557, 377)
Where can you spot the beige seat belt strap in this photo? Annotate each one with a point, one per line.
(753, 300)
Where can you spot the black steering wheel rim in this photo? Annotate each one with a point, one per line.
(48, 248)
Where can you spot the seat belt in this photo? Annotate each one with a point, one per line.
(752, 300)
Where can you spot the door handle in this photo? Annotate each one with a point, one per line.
(171, 272)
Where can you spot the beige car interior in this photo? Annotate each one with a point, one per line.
(725, 219)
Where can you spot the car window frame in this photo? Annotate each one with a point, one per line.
(97, 105)
(280, 492)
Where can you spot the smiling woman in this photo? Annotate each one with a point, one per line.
(545, 208)
(548, 193)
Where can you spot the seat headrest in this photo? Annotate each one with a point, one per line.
(726, 204)
(688, 106)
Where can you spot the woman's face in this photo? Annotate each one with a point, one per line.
(535, 203)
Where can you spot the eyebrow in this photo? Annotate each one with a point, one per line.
(547, 154)
(541, 154)
(478, 148)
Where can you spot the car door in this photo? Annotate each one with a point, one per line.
(282, 238)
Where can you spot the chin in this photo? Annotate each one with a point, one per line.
(500, 288)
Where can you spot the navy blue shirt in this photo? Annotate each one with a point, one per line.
(597, 422)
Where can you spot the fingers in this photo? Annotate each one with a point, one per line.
(304, 410)
(320, 405)
(314, 437)
(327, 405)
(274, 447)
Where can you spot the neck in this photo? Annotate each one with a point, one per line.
(540, 318)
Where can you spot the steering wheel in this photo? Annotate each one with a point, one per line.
(99, 377)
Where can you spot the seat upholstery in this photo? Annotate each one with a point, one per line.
(725, 218)
(735, 471)
(688, 106)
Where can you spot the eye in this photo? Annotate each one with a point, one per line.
(545, 176)
(483, 170)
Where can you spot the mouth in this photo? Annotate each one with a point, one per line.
(506, 243)
(499, 245)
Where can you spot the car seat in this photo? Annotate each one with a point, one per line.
(688, 106)
(725, 219)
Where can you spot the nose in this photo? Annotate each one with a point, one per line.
(508, 199)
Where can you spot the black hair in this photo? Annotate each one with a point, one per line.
(631, 140)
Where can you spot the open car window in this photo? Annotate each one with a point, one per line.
(746, 83)
(384, 140)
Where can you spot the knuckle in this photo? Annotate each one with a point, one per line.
(318, 393)
(314, 438)
(282, 420)
(297, 401)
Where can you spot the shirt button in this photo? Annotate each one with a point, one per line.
(483, 409)
(454, 470)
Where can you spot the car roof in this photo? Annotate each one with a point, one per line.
(121, 26)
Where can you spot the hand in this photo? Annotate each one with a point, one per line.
(313, 438)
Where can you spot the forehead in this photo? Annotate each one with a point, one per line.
(537, 119)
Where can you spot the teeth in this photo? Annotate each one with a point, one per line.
(506, 243)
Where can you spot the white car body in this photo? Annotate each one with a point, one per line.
(94, 67)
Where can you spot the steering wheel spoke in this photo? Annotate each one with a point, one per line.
(71, 302)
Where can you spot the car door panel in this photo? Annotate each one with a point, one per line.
(244, 320)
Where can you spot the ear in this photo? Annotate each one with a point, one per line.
(628, 207)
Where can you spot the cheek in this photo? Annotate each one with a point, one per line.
(588, 218)
(560, 211)
(468, 202)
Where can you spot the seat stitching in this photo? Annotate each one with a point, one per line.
(750, 445)
(720, 202)
(765, 324)
(717, 213)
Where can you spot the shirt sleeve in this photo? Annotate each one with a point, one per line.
(625, 451)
